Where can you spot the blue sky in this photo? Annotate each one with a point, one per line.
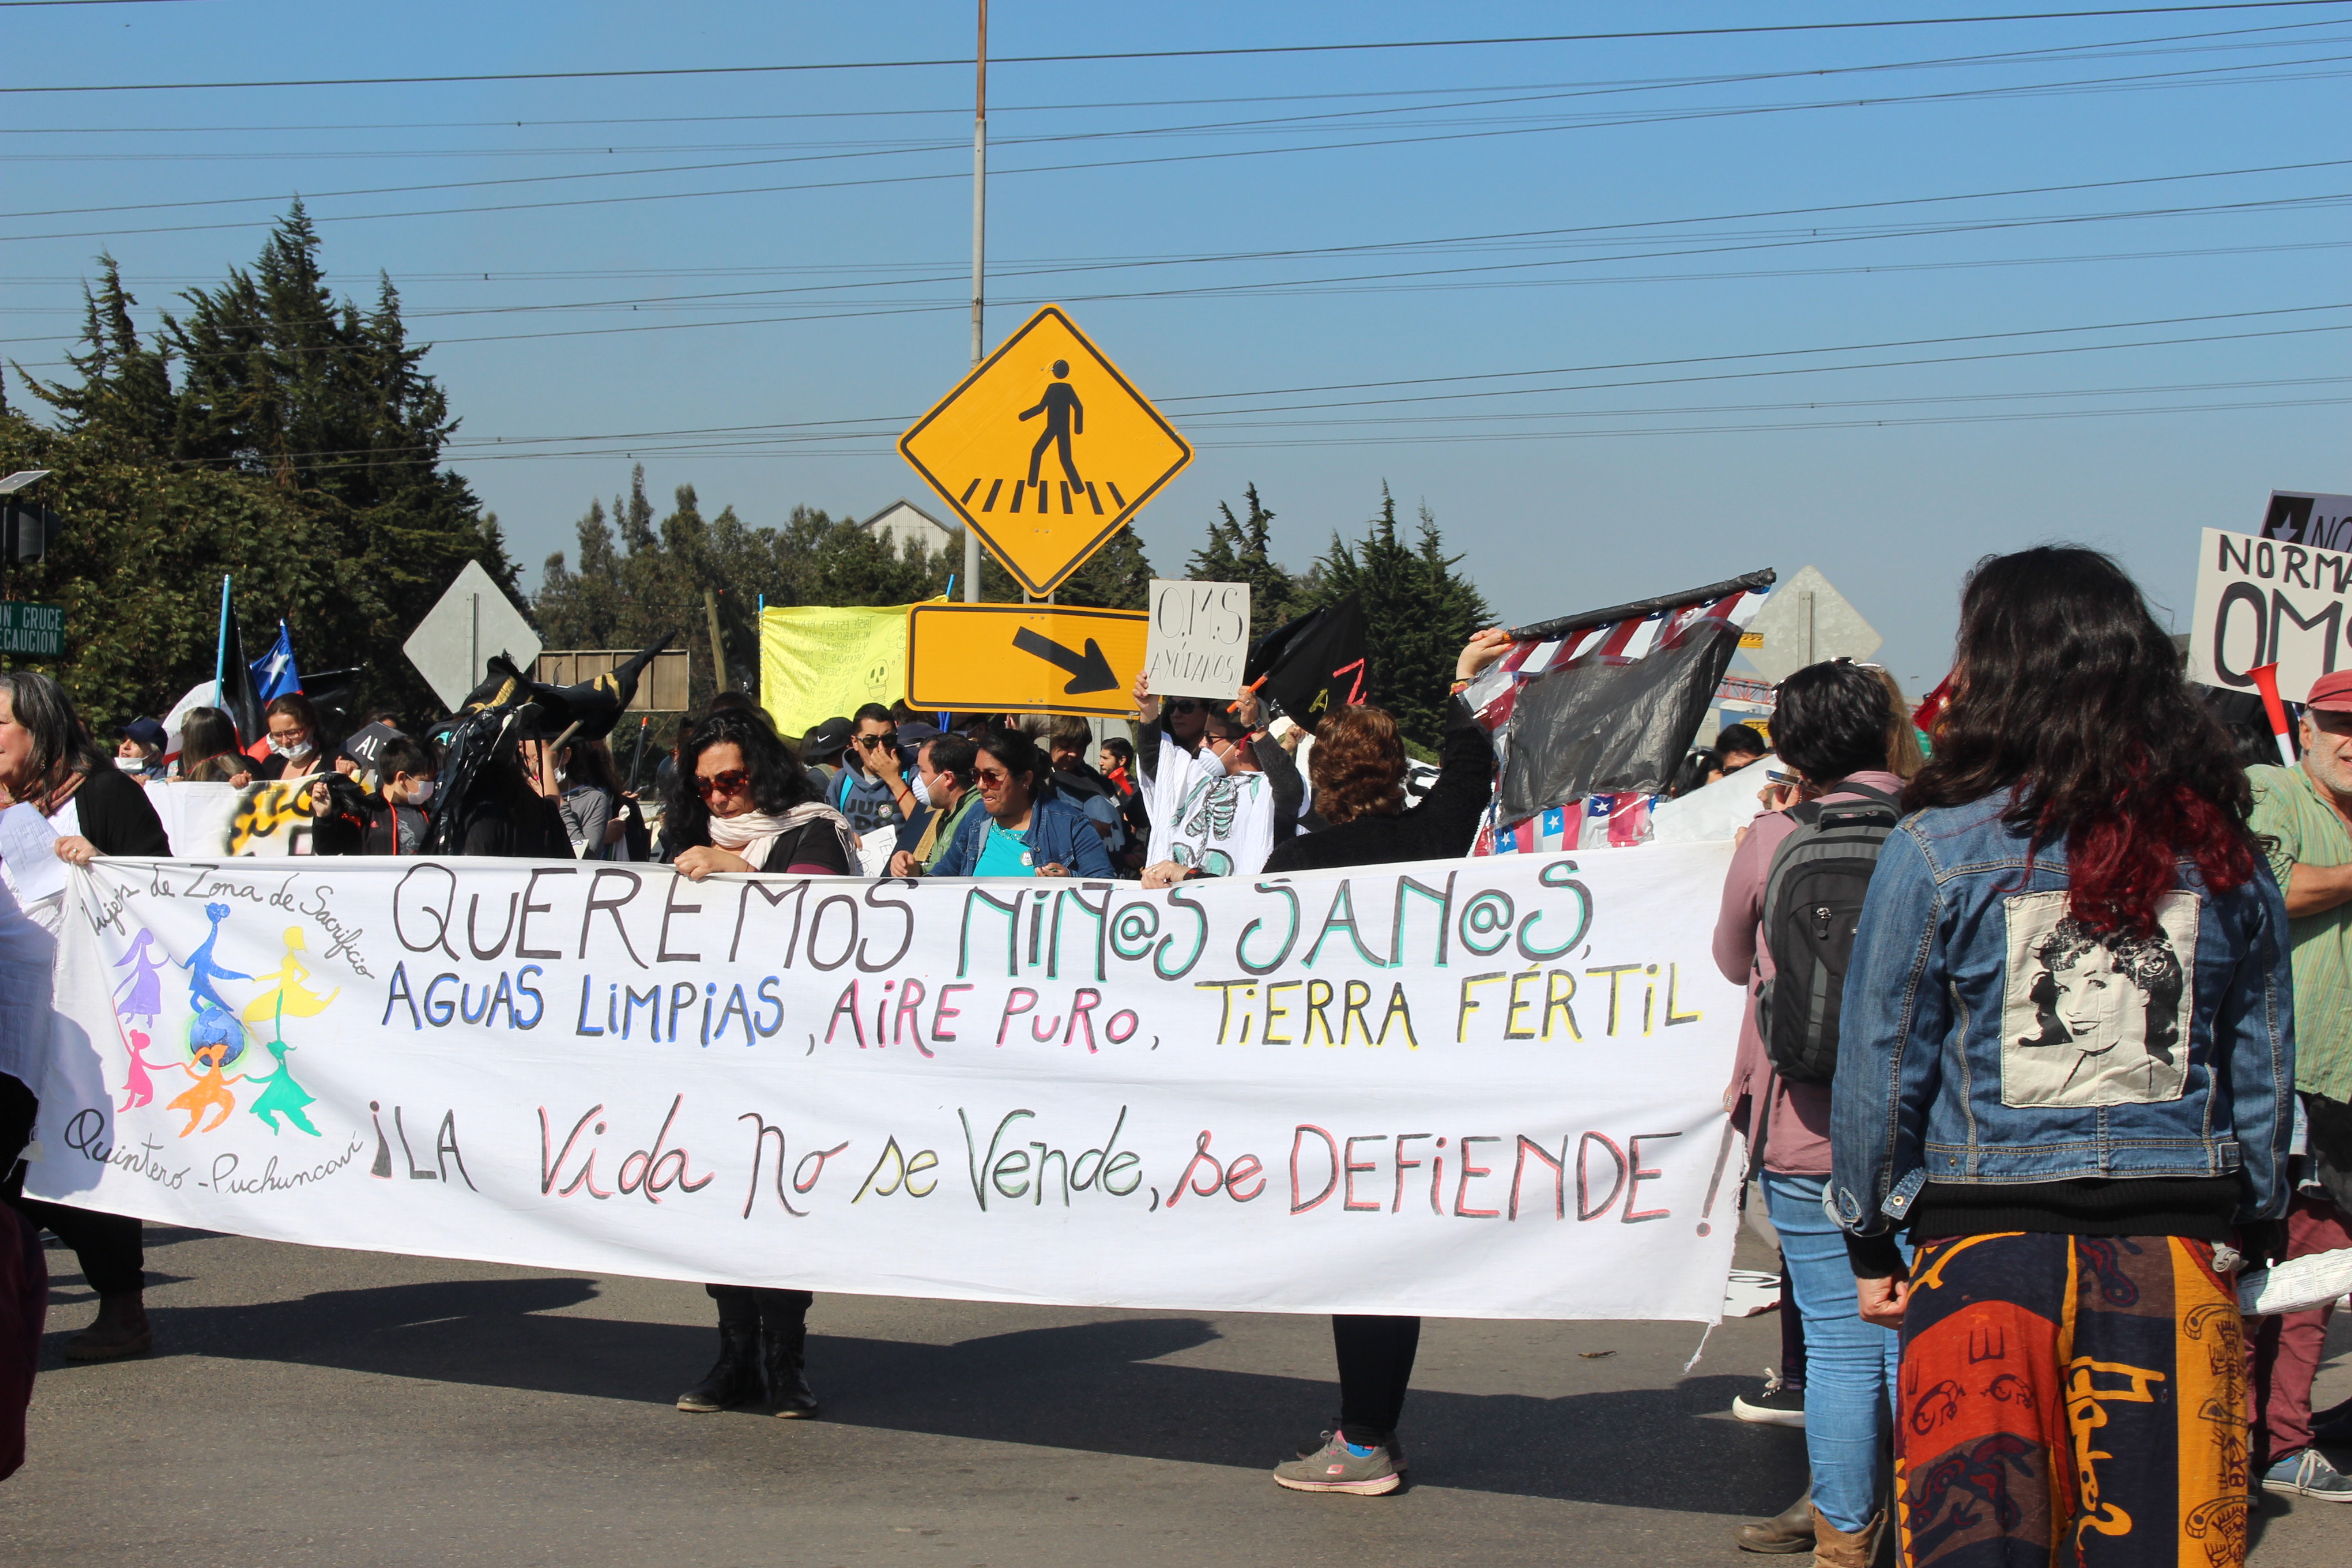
(1450, 219)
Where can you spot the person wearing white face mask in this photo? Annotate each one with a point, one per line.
(396, 825)
(296, 747)
(944, 781)
(138, 748)
(1223, 814)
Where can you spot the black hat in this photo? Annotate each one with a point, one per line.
(825, 743)
(146, 732)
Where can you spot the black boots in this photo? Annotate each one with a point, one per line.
(745, 1353)
(734, 1380)
(780, 1351)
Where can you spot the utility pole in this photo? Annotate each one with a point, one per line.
(978, 253)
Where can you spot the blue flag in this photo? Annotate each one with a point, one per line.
(274, 675)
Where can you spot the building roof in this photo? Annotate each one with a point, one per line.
(903, 504)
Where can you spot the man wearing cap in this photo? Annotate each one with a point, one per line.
(2304, 813)
(821, 751)
(138, 750)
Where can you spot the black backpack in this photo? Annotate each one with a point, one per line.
(1812, 905)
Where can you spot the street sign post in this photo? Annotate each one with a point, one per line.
(38, 630)
(1044, 450)
(1024, 658)
(452, 645)
(1804, 622)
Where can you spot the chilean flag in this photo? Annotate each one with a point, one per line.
(274, 675)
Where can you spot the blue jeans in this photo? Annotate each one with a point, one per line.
(1848, 1364)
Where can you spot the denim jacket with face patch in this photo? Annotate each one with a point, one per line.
(1987, 1038)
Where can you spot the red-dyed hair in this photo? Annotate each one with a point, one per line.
(2065, 690)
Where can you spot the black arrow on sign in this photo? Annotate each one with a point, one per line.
(1090, 671)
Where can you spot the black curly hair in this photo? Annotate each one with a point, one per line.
(778, 781)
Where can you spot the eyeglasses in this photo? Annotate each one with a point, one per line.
(733, 782)
(1186, 705)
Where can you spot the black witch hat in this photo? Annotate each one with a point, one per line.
(509, 707)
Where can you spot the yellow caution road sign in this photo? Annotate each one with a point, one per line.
(1024, 658)
(1044, 450)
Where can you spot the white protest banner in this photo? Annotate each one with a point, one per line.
(2262, 601)
(1199, 639)
(1487, 1089)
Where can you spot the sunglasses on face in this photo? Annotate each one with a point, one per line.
(733, 782)
(1186, 705)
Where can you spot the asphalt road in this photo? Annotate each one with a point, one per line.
(312, 1407)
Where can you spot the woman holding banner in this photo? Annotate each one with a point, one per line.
(741, 803)
(48, 762)
(1359, 766)
(1021, 830)
(2066, 1067)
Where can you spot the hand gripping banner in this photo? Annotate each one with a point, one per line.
(1478, 1088)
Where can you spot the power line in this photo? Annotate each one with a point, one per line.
(509, 208)
(1263, 49)
(2113, 48)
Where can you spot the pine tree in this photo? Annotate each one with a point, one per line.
(1417, 612)
(1240, 550)
(279, 382)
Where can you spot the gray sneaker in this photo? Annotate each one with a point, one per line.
(2307, 1473)
(1396, 1450)
(1333, 1468)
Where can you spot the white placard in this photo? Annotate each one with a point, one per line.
(2262, 600)
(1200, 637)
(1479, 1089)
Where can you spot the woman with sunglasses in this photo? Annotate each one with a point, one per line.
(741, 803)
(1021, 829)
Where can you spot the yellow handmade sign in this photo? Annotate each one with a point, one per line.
(1044, 450)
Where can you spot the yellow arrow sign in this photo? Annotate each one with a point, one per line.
(1024, 658)
(1044, 450)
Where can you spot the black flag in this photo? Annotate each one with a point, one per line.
(1315, 663)
(240, 699)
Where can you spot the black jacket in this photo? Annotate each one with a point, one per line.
(1442, 827)
(117, 817)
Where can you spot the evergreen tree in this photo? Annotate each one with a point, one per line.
(1417, 611)
(1240, 550)
(278, 382)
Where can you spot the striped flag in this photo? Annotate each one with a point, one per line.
(1572, 750)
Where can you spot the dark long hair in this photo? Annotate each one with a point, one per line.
(777, 784)
(60, 743)
(2065, 689)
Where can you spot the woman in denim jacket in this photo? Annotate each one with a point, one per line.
(2064, 1066)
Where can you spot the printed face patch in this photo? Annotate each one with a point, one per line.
(2090, 1019)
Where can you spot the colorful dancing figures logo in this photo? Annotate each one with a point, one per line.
(218, 1033)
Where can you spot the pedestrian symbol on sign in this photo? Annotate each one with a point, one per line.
(1065, 416)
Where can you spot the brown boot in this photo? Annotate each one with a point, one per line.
(1791, 1530)
(1833, 1548)
(121, 1329)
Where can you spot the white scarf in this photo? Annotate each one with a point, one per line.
(751, 835)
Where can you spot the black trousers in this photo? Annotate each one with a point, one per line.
(111, 1248)
(750, 1307)
(1375, 1355)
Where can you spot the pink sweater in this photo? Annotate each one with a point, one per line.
(1797, 1135)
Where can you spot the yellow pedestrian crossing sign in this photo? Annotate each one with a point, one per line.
(1045, 451)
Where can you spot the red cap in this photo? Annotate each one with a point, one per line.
(2332, 693)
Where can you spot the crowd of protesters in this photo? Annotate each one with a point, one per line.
(2049, 1023)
